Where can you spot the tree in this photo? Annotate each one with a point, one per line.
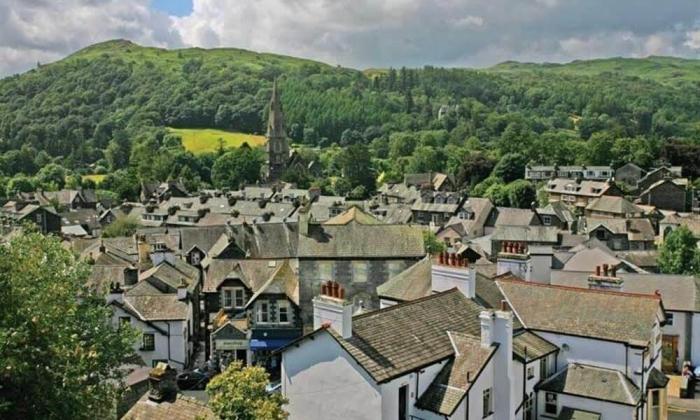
(55, 335)
(239, 394)
(475, 167)
(521, 194)
(510, 167)
(356, 167)
(432, 244)
(122, 226)
(17, 184)
(118, 150)
(51, 177)
(241, 165)
(679, 253)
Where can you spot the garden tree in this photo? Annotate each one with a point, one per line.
(401, 144)
(118, 150)
(474, 168)
(425, 159)
(51, 177)
(599, 149)
(123, 183)
(356, 167)
(432, 244)
(239, 393)
(510, 167)
(679, 253)
(60, 356)
(241, 165)
(498, 194)
(121, 226)
(17, 184)
(521, 193)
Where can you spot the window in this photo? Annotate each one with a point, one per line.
(600, 234)
(283, 311)
(488, 402)
(38, 217)
(359, 271)
(233, 297)
(543, 368)
(550, 403)
(669, 318)
(547, 220)
(530, 372)
(655, 398)
(149, 342)
(263, 312)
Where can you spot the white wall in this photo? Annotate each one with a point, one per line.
(322, 381)
(419, 382)
(608, 411)
(681, 321)
(177, 354)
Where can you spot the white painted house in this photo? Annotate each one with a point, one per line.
(447, 356)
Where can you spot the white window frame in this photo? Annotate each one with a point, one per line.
(237, 297)
(259, 312)
(547, 220)
(553, 403)
(530, 372)
(669, 319)
(283, 304)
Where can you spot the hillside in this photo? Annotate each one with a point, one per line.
(669, 70)
(112, 108)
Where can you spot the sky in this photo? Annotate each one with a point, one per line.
(358, 33)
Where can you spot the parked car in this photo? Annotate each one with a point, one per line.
(196, 379)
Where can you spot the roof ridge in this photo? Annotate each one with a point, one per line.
(578, 289)
(410, 302)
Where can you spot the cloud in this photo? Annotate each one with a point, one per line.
(361, 33)
(45, 30)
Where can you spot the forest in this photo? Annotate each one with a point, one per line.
(107, 109)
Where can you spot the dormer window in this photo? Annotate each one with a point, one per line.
(233, 297)
(159, 247)
(283, 311)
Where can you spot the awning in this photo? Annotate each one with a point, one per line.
(268, 343)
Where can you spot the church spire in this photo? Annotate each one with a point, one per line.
(275, 119)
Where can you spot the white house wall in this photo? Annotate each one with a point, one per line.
(321, 375)
(417, 384)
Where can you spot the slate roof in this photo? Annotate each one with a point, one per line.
(266, 240)
(533, 234)
(392, 341)
(173, 273)
(613, 316)
(153, 307)
(528, 346)
(639, 229)
(593, 382)
(434, 207)
(584, 188)
(355, 240)
(353, 214)
(678, 292)
(202, 237)
(454, 380)
(410, 284)
(568, 413)
(615, 205)
(283, 281)
(182, 408)
(588, 258)
(509, 216)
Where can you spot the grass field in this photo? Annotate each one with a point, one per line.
(207, 140)
(94, 178)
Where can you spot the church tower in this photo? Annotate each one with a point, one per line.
(277, 146)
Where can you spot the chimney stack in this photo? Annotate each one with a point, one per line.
(116, 293)
(452, 270)
(182, 290)
(163, 383)
(497, 327)
(332, 310)
(607, 281)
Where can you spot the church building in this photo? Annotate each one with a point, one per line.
(277, 146)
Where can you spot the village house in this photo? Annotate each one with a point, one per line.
(579, 193)
(14, 214)
(476, 362)
(613, 207)
(622, 234)
(435, 208)
(658, 174)
(541, 173)
(666, 194)
(629, 174)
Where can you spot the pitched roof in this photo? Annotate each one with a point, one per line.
(536, 234)
(584, 188)
(355, 240)
(266, 240)
(353, 214)
(509, 216)
(398, 339)
(182, 408)
(638, 229)
(456, 377)
(529, 346)
(616, 205)
(410, 284)
(588, 259)
(612, 316)
(283, 281)
(593, 382)
(154, 307)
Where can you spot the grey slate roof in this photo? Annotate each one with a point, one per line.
(532, 234)
(457, 376)
(620, 317)
(528, 346)
(410, 284)
(593, 382)
(154, 307)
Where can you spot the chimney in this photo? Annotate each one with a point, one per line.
(332, 310)
(314, 194)
(605, 280)
(144, 252)
(182, 290)
(304, 220)
(163, 383)
(514, 259)
(497, 327)
(116, 294)
(452, 270)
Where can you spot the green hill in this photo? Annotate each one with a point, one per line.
(660, 69)
(115, 106)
